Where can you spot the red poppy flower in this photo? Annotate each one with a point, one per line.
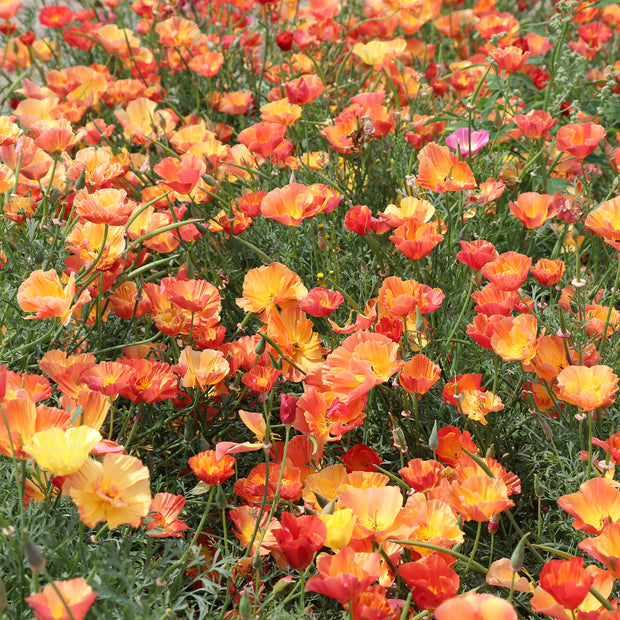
(299, 538)
(567, 581)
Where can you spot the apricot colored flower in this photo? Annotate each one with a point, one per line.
(550, 358)
(162, 521)
(514, 338)
(422, 475)
(374, 52)
(466, 393)
(109, 378)
(96, 244)
(346, 574)
(510, 58)
(508, 271)
(211, 469)
(492, 300)
(17, 426)
(532, 209)
(587, 387)
(374, 510)
(535, 124)
(76, 594)
(605, 548)
(418, 374)
(202, 368)
(304, 89)
(262, 138)
(154, 381)
(181, 175)
(479, 498)
(567, 581)
(178, 32)
(321, 301)
(281, 112)
(501, 574)
(401, 298)
(299, 538)
(579, 139)
(605, 221)
(451, 444)
(294, 203)
(103, 206)
(548, 272)
(62, 452)
(474, 606)
(594, 506)
(270, 285)
(116, 491)
(55, 136)
(43, 293)
(416, 240)
(432, 580)
(9, 8)
(440, 170)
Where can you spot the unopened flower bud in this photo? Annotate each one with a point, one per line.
(288, 407)
(34, 556)
(221, 501)
(538, 489)
(516, 559)
(245, 609)
(259, 349)
(433, 440)
(283, 587)
(493, 525)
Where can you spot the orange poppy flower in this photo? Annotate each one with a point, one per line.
(440, 170)
(281, 112)
(510, 58)
(482, 328)
(103, 206)
(374, 510)
(207, 64)
(588, 387)
(55, 136)
(421, 475)
(17, 426)
(474, 606)
(202, 368)
(408, 207)
(76, 594)
(400, 298)
(181, 175)
(550, 358)
(96, 243)
(451, 444)
(535, 124)
(262, 138)
(252, 489)
(304, 89)
(261, 379)
(476, 254)
(418, 375)
(432, 580)
(211, 469)
(294, 203)
(492, 300)
(579, 139)
(109, 378)
(269, 286)
(479, 498)
(548, 272)
(514, 338)
(605, 221)
(594, 506)
(532, 209)
(597, 321)
(43, 293)
(178, 32)
(162, 521)
(567, 581)
(605, 548)
(508, 271)
(416, 240)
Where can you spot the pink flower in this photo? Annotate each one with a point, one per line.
(461, 140)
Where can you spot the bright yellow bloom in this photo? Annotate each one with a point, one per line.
(62, 452)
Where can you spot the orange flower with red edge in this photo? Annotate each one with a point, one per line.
(202, 368)
(432, 580)
(476, 254)
(508, 271)
(579, 139)
(416, 240)
(605, 548)
(55, 136)
(482, 328)
(567, 581)
(548, 272)
(492, 300)
(321, 301)
(510, 58)
(109, 378)
(304, 89)
(479, 498)
(587, 387)
(535, 124)
(211, 469)
(162, 521)
(440, 170)
(418, 375)
(51, 603)
(43, 293)
(181, 175)
(532, 209)
(451, 444)
(262, 138)
(421, 475)
(299, 538)
(103, 206)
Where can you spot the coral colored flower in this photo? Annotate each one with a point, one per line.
(76, 594)
(432, 580)
(55, 136)
(281, 112)
(17, 426)
(567, 581)
(440, 170)
(476, 254)
(416, 240)
(535, 124)
(262, 138)
(320, 301)
(361, 458)
(492, 300)
(605, 548)
(9, 8)
(479, 498)
(501, 574)
(467, 144)
(261, 379)
(548, 272)
(294, 203)
(304, 89)
(181, 175)
(154, 381)
(514, 338)
(345, 575)
(451, 444)
(472, 606)
(422, 476)
(510, 58)
(207, 64)
(508, 271)
(400, 298)
(162, 521)
(109, 378)
(605, 221)
(482, 328)
(374, 510)
(550, 358)
(579, 139)
(43, 293)
(116, 491)
(418, 375)
(594, 506)
(532, 209)
(299, 538)
(62, 452)
(211, 469)
(588, 388)
(203, 368)
(103, 206)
